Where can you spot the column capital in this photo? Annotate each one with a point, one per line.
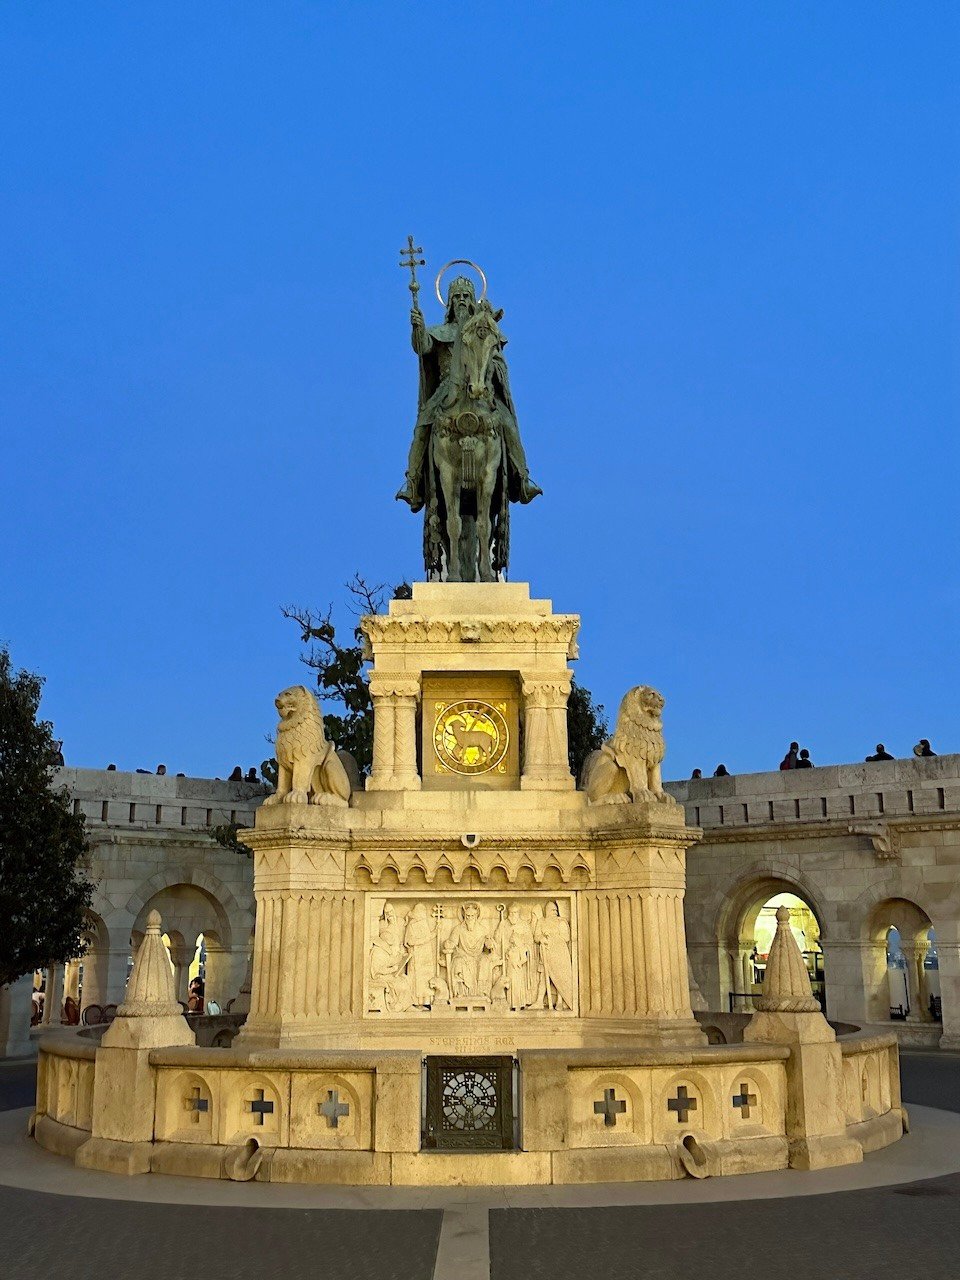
(384, 685)
(547, 693)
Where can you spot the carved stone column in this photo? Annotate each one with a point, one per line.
(919, 1000)
(394, 733)
(53, 995)
(406, 696)
(546, 765)
(16, 1007)
(384, 733)
(71, 980)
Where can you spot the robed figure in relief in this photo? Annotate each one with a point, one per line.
(470, 954)
(518, 957)
(388, 964)
(421, 943)
(552, 936)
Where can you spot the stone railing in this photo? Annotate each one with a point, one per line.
(587, 1115)
(906, 789)
(871, 1088)
(109, 798)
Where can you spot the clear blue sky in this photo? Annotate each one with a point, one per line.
(726, 241)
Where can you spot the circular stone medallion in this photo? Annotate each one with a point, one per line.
(471, 737)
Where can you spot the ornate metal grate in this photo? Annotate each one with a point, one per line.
(469, 1104)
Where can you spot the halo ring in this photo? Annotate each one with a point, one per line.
(459, 262)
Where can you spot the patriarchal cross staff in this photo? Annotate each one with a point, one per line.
(413, 261)
(467, 462)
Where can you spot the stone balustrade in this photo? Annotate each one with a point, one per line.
(834, 793)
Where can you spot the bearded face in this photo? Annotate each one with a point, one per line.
(461, 301)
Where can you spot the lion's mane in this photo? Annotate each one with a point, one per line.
(300, 734)
(639, 732)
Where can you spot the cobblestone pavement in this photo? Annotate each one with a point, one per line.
(856, 1235)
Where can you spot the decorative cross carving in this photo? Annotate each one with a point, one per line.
(745, 1100)
(260, 1107)
(681, 1104)
(196, 1104)
(333, 1108)
(609, 1106)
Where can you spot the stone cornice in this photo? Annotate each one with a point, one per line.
(409, 629)
(816, 828)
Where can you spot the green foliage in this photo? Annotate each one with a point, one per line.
(43, 890)
(339, 668)
(226, 834)
(586, 726)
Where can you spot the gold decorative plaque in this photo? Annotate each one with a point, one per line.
(471, 737)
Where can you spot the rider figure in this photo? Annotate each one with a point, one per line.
(435, 347)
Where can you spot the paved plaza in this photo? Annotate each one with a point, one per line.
(213, 1230)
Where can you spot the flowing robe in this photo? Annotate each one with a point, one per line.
(552, 935)
(388, 960)
(519, 959)
(421, 940)
(471, 964)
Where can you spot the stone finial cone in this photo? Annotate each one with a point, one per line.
(151, 991)
(786, 984)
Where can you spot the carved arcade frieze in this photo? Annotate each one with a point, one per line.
(477, 954)
(408, 629)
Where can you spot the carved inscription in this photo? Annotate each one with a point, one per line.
(471, 955)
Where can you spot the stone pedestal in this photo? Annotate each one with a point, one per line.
(360, 911)
(493, 909)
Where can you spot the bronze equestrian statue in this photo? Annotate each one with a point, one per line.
(466, 463)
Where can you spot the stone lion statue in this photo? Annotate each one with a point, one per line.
(627, 766)
(309, 769)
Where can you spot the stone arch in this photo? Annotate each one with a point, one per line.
(498, 877)
(897, 987)
(526, 876)
(735, 923)
(220, 894)
(767, 879)
(95, 961)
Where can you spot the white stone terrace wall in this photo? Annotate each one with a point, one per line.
(866, 845)
(151, 846)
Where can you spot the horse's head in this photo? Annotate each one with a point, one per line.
(479, 338)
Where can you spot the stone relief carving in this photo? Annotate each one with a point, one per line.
(627, 766)
(471, 955)
(309, 768)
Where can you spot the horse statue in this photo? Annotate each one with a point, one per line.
(467, 462)
(468, 459)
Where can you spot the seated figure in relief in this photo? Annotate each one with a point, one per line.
(552, 935)
(627, 766)
(518, 958)
(308, 767)
(389, 980)
(469, 953)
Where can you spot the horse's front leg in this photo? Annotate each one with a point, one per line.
(451, 496)
(485, 491)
